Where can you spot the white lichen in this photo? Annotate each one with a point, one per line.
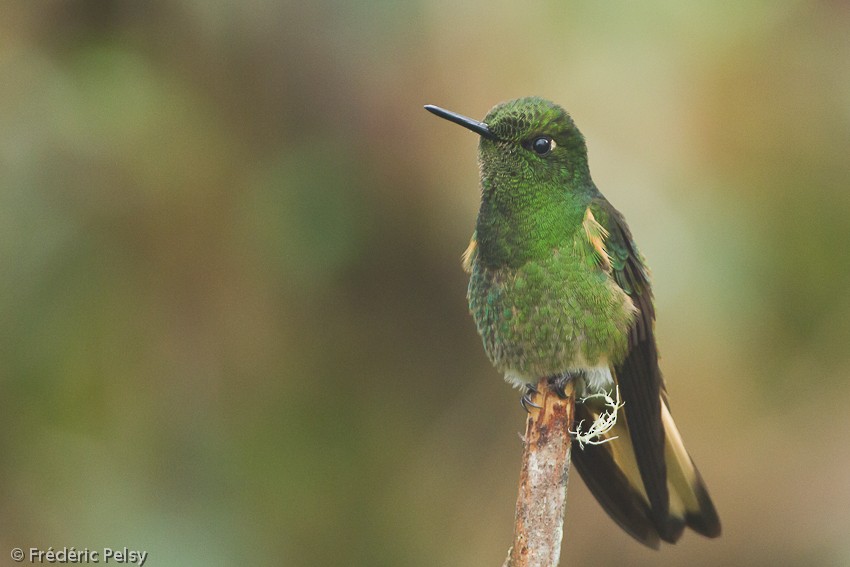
(595, 434)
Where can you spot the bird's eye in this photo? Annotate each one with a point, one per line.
(543, 145)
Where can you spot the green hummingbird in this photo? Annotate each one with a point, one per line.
(559, 290)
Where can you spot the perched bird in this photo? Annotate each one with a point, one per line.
(558, 289)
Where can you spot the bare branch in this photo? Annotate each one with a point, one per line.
(539, 525)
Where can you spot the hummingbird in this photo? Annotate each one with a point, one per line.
(558, 289)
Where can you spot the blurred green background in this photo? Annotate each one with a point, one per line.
(233, 324)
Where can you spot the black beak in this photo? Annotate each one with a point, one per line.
(478, 127)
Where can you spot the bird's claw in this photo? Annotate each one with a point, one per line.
(558, 382)
(525, 400)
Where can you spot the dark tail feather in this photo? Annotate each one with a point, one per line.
(688, 493)
(610, 486)
(611, 473)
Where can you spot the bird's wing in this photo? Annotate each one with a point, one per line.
(638, 375)
(644, 479)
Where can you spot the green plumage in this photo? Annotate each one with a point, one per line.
(531, 327)
(559, 290)
(541, 297)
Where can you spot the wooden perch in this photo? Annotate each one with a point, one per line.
(539, 524)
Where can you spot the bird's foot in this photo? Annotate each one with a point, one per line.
(559, 382)
(525, 400)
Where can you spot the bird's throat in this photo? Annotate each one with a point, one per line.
(511, 231)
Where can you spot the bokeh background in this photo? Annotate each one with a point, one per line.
(233, 326)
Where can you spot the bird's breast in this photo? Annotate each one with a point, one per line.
(549, 315)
